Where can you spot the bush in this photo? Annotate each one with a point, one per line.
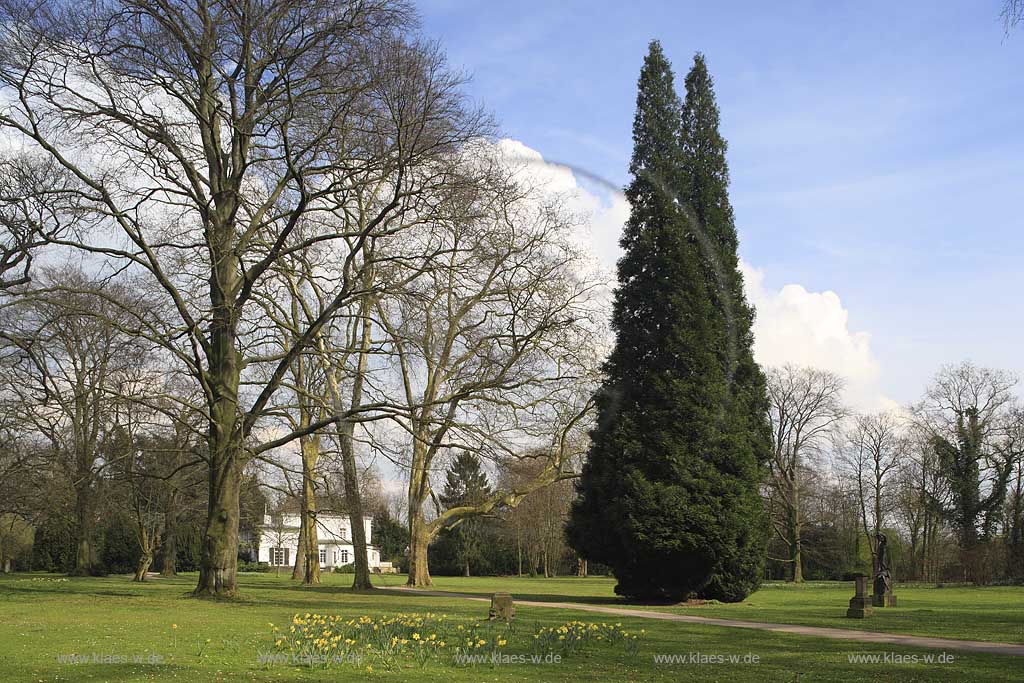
(190, 545)
(349, 568)
(261, 567)
(120, 550)
(53, 549)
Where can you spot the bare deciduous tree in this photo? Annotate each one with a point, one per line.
(201, 136)
(872, 449)
(967, 418)
(35, 207)
(805, 406)
(494, 348)
(69, 380)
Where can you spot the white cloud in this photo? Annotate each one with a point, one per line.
(793, 325)
(812, 328)
(600, 206)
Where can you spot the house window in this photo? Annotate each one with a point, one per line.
(323, 556)
(344, 557)
(279, 556)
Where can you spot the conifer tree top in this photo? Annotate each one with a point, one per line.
(657, 121)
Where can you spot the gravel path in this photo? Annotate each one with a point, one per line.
(1010, 649)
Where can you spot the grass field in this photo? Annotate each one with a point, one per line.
(42, 622)
(967, 613)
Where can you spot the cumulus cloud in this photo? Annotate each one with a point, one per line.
(600, 208)
(812, 328)
(793, 325)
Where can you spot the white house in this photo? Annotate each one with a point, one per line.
(279, 540)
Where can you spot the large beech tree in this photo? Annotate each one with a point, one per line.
(199, 134)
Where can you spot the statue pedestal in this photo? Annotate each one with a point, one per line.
(502, 607)
(885, 600)
(860, 608)
(860, 603)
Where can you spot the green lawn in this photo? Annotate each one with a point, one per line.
(43, 621)
(967, 613)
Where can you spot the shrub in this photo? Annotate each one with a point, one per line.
(261, 567)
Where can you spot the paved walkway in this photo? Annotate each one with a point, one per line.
(1010, 649)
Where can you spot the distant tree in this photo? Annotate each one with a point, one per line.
(390, 535)
(918, 482)
(872, 450)
(664, 497)
(15, 543)
(54, 546)
(968, 417)
(1015, 502)
(536, 527)
(68, 382)
(805, 406)
(119, 549)
(466, 484)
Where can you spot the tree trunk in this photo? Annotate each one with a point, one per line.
(419, 541)
(310, 548)
(519, 550)
(350, 472)
(299, 568)
(144, 563)
(219, 563)
(85, 551)
(169, 552)
(796, 546)
(354, 503)
(419, 529)
(218, 566)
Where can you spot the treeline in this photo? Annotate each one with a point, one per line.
(942, 479)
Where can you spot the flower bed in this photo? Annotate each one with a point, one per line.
(392, 641)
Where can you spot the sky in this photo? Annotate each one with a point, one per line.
(876, 152)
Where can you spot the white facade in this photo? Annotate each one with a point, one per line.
(279, 540)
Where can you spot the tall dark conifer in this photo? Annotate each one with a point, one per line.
(466, 484)
(656, 487)
(704, 194)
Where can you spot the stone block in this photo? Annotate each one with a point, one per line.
(502, 607)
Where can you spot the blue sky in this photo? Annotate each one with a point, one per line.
(876, 148)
